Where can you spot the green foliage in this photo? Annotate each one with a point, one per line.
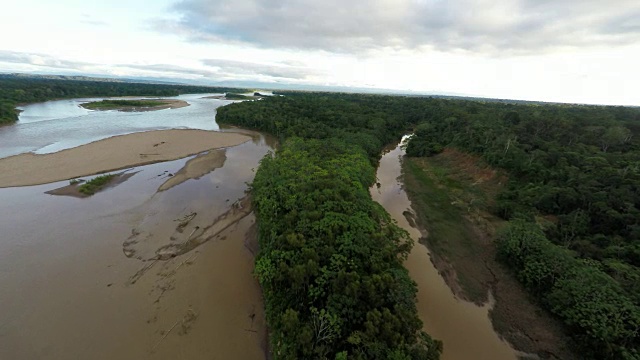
(576, 168)
(330, 261)
(367, 121)
(236, 96)
(600, 314)
(96, 184)
(115, 104)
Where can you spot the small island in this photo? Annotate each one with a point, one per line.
(235, 96)
(135, 105)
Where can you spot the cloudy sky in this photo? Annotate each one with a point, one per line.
(584, 51)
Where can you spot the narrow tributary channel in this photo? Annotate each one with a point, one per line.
(464, 328)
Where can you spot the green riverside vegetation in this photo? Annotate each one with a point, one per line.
(117, 104)
(235, 96)
(16, 89)
(96, 184)
(572, 202)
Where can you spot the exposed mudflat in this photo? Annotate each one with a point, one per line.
(464, 327)
(196, 168)
(111, 154)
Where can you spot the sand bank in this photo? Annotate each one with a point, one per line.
(110, 154)
(196, 168)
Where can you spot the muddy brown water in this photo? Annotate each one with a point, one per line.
(74, 286)
(464, 328)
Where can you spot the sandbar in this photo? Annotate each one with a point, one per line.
(115, 153)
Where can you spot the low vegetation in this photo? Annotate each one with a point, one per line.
(236, 96)
(119, 104)
(96, 184)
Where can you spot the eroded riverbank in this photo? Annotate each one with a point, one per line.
(464, 328)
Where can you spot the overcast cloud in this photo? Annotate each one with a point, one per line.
(40, 60)
(488, 26)
(287, 70)
(552, 50)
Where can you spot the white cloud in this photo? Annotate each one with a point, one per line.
(485, 26)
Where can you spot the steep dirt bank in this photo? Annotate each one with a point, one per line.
(451, 194)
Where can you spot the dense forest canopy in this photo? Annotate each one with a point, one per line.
(573, 195)
(16, 90)
(330, 260)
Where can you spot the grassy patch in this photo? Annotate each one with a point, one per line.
(94, 185)
(234, 96)
(118, 104)
(452, 207)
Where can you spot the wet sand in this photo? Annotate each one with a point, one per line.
(196, 168)
(74, 189)
(111, 154)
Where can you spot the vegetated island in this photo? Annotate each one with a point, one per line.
(118, 152)
(236, 96)
(82, 189)
(135, 105)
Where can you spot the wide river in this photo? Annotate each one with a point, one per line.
(78, 281)
(76, 275)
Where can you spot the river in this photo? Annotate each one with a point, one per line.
(464, 328)
(77, 284)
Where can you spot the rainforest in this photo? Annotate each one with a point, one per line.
(570, 236)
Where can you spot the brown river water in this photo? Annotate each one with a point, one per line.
(464, 328)
(132, 272)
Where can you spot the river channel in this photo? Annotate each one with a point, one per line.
(464, 328)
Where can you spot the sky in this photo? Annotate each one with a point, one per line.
(577, 51)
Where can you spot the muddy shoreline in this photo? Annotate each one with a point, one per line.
(73, 189)
(473, 274)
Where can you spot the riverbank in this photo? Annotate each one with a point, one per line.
(135, 105)
(111, 154)
(451, 194)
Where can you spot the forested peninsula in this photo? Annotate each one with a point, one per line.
(571, 231)
(17, 90)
